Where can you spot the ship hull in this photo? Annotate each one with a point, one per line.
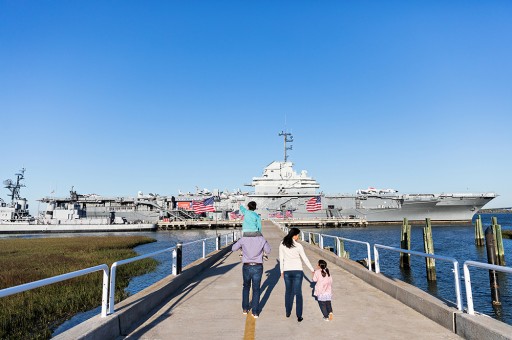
(452, 208)
(25, 228)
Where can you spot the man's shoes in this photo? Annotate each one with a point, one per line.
(244, 312)
(255, 316)
(300, 318)
(331, 316)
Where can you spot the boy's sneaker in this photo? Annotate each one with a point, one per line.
(331, 316)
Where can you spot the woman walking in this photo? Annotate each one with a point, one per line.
(291, 255)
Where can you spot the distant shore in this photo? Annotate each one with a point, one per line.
(495, 211)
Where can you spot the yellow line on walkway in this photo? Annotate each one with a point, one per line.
(250, 327)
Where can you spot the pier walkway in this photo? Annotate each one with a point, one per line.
(210, 308)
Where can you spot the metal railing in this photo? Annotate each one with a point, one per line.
(176, 261)
(63, 277)
(337, 239)
(338, 245)
(432, 256)
(467, 279)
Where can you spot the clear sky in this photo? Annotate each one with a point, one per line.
(116, 97)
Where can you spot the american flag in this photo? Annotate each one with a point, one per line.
(203, 206)
(314, 204)
(235, 215)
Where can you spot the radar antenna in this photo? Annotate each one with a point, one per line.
(14, 188)
(288, 138)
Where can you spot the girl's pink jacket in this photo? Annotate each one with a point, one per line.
(323, 284)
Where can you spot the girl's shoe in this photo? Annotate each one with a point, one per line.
(331, 316)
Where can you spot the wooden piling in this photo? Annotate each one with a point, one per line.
(479, 234)
(428, 246)
(490, 243)
(405, 243)
(500, 252)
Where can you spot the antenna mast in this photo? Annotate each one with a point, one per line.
(288, 138)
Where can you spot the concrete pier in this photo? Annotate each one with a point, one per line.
(205, 303)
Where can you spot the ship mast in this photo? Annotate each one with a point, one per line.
(14, 188)
(288, 138)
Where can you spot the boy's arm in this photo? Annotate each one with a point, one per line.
(242, 209)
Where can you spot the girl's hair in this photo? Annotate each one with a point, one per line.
(288, 239)
(323, 266)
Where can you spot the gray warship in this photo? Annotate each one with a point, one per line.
(283, 193)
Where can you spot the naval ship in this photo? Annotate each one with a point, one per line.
(67, 215)
(282, 192)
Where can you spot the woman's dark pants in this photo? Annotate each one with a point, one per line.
(293, 284)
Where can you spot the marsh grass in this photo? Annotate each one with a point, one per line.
(36, 313)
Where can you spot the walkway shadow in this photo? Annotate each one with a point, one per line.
(187, 290)
(273, 276)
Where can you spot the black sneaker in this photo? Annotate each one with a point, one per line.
(300, 318)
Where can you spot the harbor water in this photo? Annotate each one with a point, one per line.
(451, 241)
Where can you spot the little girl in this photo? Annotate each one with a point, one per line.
(323, 289)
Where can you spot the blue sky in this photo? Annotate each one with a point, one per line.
(113, 97)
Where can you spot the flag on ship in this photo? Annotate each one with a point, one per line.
(314, 204)
(235, 215)
(203, 206)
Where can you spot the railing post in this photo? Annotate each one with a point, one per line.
(469, 293)
(104, 296)
(112, 288)
(204, 249)
(179, 257)
(376, 256)
(217, 243)
(321, 241)
(338, 246)
(457, 284)
(174, 271)
(309, 239)
(226, 239)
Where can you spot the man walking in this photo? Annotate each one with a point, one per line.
(252, 270)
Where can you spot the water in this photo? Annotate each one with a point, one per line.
(452, 241)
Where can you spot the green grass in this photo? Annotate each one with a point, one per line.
(36, 313)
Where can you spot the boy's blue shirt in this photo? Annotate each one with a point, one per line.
(252, 221)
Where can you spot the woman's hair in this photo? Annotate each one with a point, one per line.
(323, 266)
(288, 239)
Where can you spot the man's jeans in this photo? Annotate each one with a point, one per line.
(293, 284)
(252, 274)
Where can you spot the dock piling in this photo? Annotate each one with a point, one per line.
(498, 237)
(428, 246)
(490, 243)
(479, 234)
(405, 243)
